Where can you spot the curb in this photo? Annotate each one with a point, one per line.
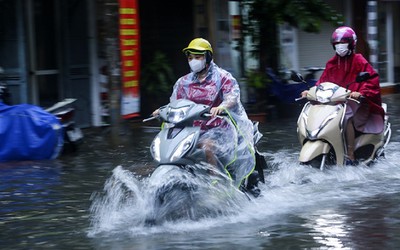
(389, 88)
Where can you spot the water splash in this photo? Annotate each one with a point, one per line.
(290, 188)
(115, 204)
(168, 197)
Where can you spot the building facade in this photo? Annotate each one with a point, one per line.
(45, 52)
(55, 49)
(378, 29)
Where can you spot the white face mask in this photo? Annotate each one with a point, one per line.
(342, 49)
(197, 65)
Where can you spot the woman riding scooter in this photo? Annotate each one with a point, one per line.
(342, 69)
(213, 86)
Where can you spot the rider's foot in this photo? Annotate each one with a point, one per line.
(255, 191)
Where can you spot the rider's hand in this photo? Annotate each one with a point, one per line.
(355, 95)
(304, 94)
(156, 112)
(216, 111)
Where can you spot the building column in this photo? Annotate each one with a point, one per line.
(389, 42)
(372, 24)
(94, 65)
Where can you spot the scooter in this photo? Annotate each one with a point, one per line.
(320, 127)
(29, 132)
(182, 167)
(310, 77)
(282, 89)
(64, 111)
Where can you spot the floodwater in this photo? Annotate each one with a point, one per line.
(96, 199)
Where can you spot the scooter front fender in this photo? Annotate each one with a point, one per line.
(312, 149)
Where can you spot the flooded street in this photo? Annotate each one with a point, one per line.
(58, 204)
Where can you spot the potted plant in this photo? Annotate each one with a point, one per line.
(157, 79)
(257, 85)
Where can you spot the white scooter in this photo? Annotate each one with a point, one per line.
(321, 129)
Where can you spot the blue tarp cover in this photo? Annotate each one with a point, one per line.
(28, 132)
(284, 91)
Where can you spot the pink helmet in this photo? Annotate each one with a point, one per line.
(344, 34)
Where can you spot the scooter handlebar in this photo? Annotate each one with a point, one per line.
(150, 118)
(219, 116)
(358, 101)
(300, 98)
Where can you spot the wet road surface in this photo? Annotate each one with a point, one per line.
(47, 204)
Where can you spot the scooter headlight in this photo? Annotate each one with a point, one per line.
(176, 115)
(155, 149)
(324, 96)
(183, 147)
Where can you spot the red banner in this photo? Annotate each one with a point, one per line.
(130, 57)
(236, 26)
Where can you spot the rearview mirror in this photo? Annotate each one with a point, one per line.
(296, 77)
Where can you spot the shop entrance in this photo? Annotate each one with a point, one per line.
(58, 54)
(43, 48)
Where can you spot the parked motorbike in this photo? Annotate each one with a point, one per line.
(187, 180)
(321, 127)
(284, 90)
(29, 132)
(310, 77)
(65, 112)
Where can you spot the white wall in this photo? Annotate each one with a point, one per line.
(314, 49)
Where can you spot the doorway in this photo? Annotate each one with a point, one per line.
(44, 59)
(58, 54)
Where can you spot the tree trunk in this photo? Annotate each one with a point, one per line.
(113, 59)
(269, 49)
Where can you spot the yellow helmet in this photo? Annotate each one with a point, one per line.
(198, 46)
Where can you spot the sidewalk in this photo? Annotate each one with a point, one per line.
(389, 88)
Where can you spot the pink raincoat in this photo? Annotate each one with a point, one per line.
(344, 70)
